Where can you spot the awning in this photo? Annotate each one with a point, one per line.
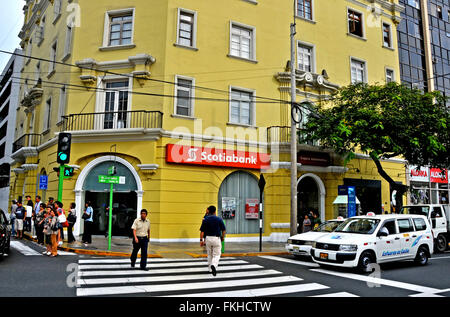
(343, 199)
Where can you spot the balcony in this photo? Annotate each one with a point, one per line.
(282, 134)
(27, 141)
(108, 121)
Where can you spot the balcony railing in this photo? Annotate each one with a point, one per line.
(113, 120)
(27, 140)
(282, 134)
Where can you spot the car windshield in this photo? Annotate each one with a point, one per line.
(328, 226)
(416, 210)
(358, 225)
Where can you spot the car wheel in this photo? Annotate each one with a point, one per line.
(422, 256)
(441, 243)
(365, 261)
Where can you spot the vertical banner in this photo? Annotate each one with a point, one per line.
(252, 209)
(351, 207)
(229, 206)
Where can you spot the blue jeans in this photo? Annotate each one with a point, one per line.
(143, 246)
(13, 226)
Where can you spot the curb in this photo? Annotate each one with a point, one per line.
(242, 254)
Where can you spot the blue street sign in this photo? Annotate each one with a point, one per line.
(351, 206)
(43, 182)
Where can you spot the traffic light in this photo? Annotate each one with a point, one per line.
(64, 141)
(68, 171)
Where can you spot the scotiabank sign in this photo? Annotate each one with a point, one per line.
(183, 154)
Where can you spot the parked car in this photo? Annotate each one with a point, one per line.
(363, 241)
(5, 234)
(300, 244)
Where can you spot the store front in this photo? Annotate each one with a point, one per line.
(428, 186)
(368, 193)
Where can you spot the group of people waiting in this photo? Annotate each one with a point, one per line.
(311, 220)
(49, 222)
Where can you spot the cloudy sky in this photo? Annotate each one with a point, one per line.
(11, 20)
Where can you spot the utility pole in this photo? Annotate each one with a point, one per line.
(293, 221)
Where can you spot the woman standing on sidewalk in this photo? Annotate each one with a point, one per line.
(88, 221)
(71, 218)
(48, 230)
(40, 216)
(55, 232)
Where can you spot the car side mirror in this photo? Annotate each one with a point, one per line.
(382, 234)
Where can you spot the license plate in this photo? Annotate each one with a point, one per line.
(324, 256)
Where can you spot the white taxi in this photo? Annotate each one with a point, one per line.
(301, 244)
(362, 241)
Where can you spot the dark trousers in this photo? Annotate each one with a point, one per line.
(143, 246)
(40, 234)
(61, 230)
(27, 224)
(70, 237)
(87, 234)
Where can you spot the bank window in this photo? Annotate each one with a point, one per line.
(305, 56)
(241, 107)
(355, 23)
(186, 28)
(420, 224)
(242, 41)
(387, 39)
(358, 71)
(304, 9)
(389, 75)
(119, 28)
(184, 101)
(405, 225)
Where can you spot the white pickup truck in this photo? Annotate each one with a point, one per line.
(439, 218)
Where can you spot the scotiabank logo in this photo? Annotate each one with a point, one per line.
(182, 154)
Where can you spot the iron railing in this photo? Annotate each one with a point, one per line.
(27, 140)
(282, 134)
(113, 120)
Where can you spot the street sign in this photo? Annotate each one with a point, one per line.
(351, 201)
(106, 179)
(43, 182)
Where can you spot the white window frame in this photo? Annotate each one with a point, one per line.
(363, 26)
(383, 24)
(48, 115)
(365, 74)
(386, 70)
(53, 58)
(107, 27)
(68, 42)
(57, 9)
(29, 50)
(252, 29)
(252, 111)
(62, 104)
(313, 55)
(40, 32)
(191, 93)
(304, 18)
(194, 27)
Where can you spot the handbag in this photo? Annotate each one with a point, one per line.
(71, 218)
(62, 218)
(86, 216)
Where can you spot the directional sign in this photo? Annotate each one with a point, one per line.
(106, 179)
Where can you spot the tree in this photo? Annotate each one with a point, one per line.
(384, 121)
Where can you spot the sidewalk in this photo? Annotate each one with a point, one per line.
(122, 246)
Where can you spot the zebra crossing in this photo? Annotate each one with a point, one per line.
(190, 278)
(28, 251)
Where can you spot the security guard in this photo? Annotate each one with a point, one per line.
(141, 237)
(212, 233)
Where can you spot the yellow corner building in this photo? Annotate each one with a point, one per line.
(189, 100)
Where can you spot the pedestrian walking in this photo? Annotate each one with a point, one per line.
(39, 222)
(212, 233)
(141, 237)
(20, 216)
(306, 224)
(12, 217)
(29, 208)
(71, 218)
(88, 222)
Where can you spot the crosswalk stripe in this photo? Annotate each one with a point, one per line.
(268, 291)
(166, 271)
(119, 266)
(25, 250)
(274, 258)
(339, 294)
(152, 279)
(182, 286)
(155, 260)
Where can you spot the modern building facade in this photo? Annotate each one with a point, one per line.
(9, 96)
(190, 102)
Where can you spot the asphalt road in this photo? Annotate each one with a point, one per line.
(27, 273)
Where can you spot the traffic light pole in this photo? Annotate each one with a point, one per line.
(293, 227)
(110, 216)
(61, 181)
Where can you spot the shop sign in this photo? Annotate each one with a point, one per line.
(251, 209)
(182, 154)
(419, 175)
(313, 158)
(439, 176)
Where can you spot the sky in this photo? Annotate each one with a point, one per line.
(11, 21)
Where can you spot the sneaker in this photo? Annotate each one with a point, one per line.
(49, 253)
(213, 270)
(44, 253)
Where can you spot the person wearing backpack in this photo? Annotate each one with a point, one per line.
(71, 218)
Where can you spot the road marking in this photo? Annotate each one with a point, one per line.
(268, 291)
(166, 271)
(440, 257)
(154, 260)
(340, 294)
(380, 281)
(22, 248)
(182, 286)
(169, 278)
(310, 264)
(154, 265)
